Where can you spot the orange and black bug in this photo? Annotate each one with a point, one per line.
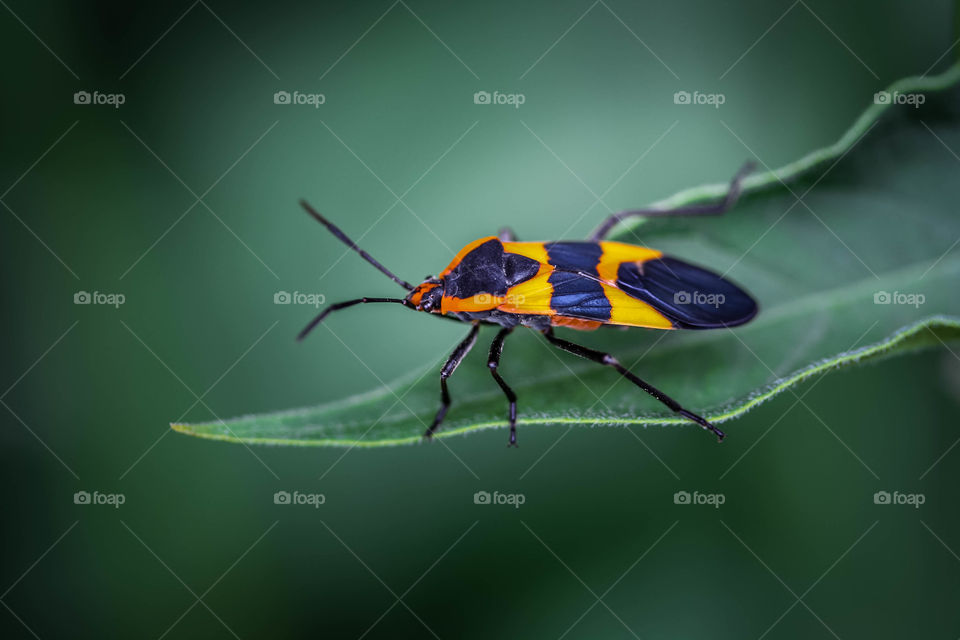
(578, 285)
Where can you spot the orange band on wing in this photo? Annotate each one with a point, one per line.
(616, 253)
(533, 250)
(625, 309)
(628, 311)
(533, 296)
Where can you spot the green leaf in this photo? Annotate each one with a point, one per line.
(818, 242)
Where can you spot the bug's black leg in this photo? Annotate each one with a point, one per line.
(496, 349)
(506, 234)
(451, 365)
(610, 361)
(712, 209)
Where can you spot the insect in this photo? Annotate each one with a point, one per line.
(582, 285)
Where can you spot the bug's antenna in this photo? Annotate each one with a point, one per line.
(350, 243)
(342, 305)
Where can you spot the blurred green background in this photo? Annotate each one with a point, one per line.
(106, 199)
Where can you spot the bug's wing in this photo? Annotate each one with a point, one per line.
(582, 301)
(690, 296)
(621, 284)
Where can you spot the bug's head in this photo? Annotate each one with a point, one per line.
(427, 295)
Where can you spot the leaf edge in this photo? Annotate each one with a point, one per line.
(889, 346)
